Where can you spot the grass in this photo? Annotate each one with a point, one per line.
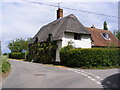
(102, 67)
(62, 66)
(4, 65)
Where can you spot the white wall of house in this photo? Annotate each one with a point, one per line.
(85, 42)
(59, 44)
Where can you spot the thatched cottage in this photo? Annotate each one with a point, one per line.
(65, 29)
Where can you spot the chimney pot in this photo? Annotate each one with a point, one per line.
(59, 13)
(92, 26)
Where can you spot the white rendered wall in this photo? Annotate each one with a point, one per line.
(59, 44)
(85, 41)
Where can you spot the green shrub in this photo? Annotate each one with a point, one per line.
(4, 65)
(5, 54)
(89, 58)
(17, 55)
(28, 57)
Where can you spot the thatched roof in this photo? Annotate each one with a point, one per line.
(57, 28)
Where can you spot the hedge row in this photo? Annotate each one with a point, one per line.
(17, 55)
(88, 58)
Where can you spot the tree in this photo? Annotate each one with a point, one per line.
(105, 25)
(118, 35)
(19, 45)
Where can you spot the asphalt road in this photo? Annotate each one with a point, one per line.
(34, 75)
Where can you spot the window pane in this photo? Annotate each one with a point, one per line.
(77, 36)
(106, 35)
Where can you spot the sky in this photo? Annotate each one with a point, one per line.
(23, 19)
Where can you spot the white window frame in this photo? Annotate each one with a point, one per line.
(105, 37)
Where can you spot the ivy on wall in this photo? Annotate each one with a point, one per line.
(43, 52)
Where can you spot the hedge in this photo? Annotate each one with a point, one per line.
(17, 55)
(89, 58)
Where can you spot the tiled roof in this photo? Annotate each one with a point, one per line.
(99, 40)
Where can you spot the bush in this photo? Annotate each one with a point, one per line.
(28, 57)
(5, 65)
(5, 54)
(17, 55)
(89, 58)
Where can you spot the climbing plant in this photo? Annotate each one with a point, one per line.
(43, 52)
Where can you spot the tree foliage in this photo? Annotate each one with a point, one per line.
(105, 26)
(118, 35)
(19, 45)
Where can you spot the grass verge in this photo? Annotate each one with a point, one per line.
(61, 66)
(5, 66)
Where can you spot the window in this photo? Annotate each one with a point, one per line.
(50, 37)
(36, 39)
(106, 36)
(77, 36)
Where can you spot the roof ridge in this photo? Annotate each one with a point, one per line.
(57, 20)
(59, 26)
(97, 29)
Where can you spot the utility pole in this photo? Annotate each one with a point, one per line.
(59, 4)
(0, 49)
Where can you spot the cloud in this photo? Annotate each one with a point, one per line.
(23, 19)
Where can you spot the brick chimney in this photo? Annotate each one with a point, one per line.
(59, 13)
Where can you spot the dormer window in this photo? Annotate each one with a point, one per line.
(36, 39)
(50, 37)
(77, 36)
(106, 36)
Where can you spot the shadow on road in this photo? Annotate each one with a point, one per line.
(112, 81)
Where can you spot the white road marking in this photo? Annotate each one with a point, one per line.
(94, 75)
(101, 79)
(98, 77)
(81, 73)
(93, 79)
(103, 86)
(88, 75)
(98, 83)
(91, 74)
(77, 72)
